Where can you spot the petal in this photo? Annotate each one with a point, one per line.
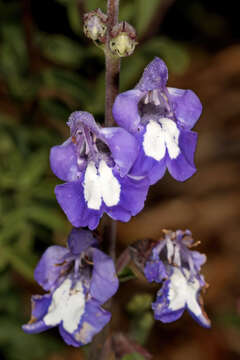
(71, 199)
(67, 337)
(40, 305)
(183, 166)
(155, 76)
(198, 259)
(125, 109)
(143, 164)
(80, 240)
(132, 198)
(155, 271)
(79, 118)
(157, 171)
(186, 106)
(104, 282)
(63, 161)
(201, 318)
(123, 146)
(50, 266)
(169, 306)
(94, 319)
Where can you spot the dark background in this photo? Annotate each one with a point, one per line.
(47, 70)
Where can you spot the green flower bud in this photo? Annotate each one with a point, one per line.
(95, 25)
(122, 42)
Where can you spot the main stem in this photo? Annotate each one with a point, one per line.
(112, 64)
(112, 87)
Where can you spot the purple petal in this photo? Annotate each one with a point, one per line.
(104, 283)
(155, 76)
(123, 146)
(63, 161)
(132, 198)
(50, 266)
(183, 166)
(198, 259)
(157, 171)
(71, 199)
(68, 338)
(161, 308)
(79, 118)
(186, 105)
(155, 271)
(80, 240)
(125, 109)
(94, 319)
(40, 306)
(144, 164)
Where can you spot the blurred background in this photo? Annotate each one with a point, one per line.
(47, 70)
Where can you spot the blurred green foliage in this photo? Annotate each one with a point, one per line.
(142, 320)
(133, 356)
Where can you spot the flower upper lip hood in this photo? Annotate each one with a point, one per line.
(79, 279)
(160, 118)
(96, 165)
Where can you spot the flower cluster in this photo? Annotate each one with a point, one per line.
(177, 267)
(79, 279)
(110, 169)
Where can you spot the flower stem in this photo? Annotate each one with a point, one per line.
(112, 64)
(109, 233)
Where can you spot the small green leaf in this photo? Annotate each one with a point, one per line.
(175, 55)
(126, 274)
(144, 13)
(133, 356)
(61, 50)
(140, 303)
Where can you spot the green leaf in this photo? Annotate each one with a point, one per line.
(131, 70)
(175, 55)
(94, 4)
(140, 303)
(61, 50)
(14, 54)
(34, 169)
(133, 356)
(71, 84)
(144, 12)
(50, 218)
(126, 274)
(74, 18)
(20, 346)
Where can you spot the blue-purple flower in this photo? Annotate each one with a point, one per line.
(174, 264)
(161, 118)
(96, 165)
(79, 279)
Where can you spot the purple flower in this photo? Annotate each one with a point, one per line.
(161, 118)
(96, 165)
(79, 279)
(177, 267)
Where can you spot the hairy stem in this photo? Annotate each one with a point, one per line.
(97, 350)
(112, 64)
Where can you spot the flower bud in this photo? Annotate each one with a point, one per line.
(122, 41)
(95, 25)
